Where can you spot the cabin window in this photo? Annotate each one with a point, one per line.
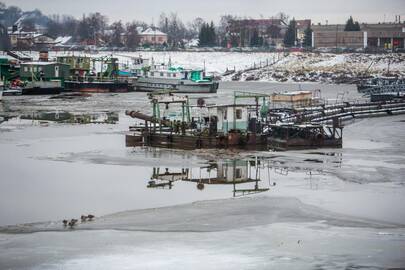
(238, 114)
(238, 173)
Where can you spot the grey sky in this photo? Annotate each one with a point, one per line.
(335, 11)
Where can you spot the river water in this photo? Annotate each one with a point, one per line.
(52, 170)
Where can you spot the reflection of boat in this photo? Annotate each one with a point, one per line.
(229, 172)
(74, 118)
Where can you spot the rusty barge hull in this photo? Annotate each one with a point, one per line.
(232, 141)
(191, 142)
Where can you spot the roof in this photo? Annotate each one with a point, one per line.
(39, 63)
(153, 32)
(230, 105)
(293, 93)
(63, 39)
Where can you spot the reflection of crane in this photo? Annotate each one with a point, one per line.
(231, 172)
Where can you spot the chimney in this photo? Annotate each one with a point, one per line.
(43, 56)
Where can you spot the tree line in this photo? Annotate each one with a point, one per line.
(95, 29)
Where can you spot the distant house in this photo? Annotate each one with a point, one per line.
(42, 41)
(152, 36)
(29, 40)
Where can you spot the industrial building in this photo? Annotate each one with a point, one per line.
(388, 36)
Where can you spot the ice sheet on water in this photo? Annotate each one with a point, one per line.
(206, 216)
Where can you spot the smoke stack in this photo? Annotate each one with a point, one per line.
(43, 56)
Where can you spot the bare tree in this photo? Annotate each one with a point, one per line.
(194, 26)
(132, 37)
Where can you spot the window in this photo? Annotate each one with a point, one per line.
(225, 114)
(238, 173)
(152, 74)
(238, 114)
(161, 74)
(26, 69)
(35, 69)
(174, 74)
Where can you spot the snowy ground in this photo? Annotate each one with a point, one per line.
(293, 67)
(274, 67)
(329, 209)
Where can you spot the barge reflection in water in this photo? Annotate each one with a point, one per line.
(226, 172)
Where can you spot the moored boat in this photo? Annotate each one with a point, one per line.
(1, 89)
(96, 86)
(175, 79)
(53, 87)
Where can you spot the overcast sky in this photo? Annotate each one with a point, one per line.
(336, 11)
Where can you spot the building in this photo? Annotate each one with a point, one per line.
(30, 40)
(387, 36)
(380, 36)
(270, 30)
(34, 71)
(152, 36)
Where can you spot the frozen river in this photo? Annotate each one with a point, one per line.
(328, 209)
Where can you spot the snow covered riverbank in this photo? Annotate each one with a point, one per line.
(276, 67)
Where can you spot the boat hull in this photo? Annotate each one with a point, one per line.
(41, 91)
(96, 87)
(178, 86)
